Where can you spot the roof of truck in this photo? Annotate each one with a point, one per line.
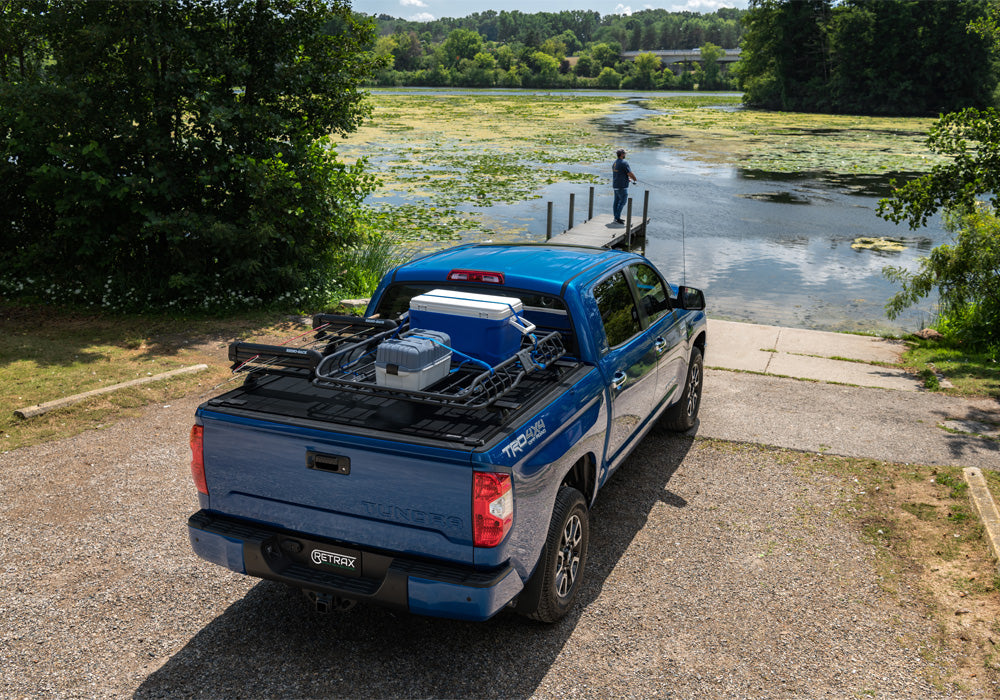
(544, 268)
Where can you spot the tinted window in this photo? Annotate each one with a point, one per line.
(617, 307)
(652, 291)
(396, 300)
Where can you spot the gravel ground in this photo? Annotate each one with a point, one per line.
(716, 571)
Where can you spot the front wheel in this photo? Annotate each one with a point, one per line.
(551, 590)
(682, 416)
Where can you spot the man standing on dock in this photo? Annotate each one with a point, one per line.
(621, 173)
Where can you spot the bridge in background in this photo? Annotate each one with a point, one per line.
(684, 56)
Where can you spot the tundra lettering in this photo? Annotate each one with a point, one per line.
(411, 515)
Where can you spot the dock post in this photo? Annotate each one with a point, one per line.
(590, 207)
(572, 206)
(548, 224)
(628, 225)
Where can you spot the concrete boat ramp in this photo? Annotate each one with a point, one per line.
(835, 393)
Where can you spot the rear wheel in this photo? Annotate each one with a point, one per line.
(683, 415)
(551, 590)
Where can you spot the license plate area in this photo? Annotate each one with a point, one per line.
(336, 560)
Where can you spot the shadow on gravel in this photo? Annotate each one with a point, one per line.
(271, 643)
(961, 444)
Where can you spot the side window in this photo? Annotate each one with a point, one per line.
(652, 291)
(617, 307)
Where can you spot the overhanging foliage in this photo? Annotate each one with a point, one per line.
(172, 153)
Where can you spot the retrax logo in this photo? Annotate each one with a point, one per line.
(340, 561)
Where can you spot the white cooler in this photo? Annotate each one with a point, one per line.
(482, 326)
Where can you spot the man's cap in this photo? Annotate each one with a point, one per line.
(620, 152)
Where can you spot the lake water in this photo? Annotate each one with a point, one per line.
(765, 247)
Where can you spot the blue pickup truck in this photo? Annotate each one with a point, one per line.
(470, 494)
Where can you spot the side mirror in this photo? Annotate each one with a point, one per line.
(689, 299)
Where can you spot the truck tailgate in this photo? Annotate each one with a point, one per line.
(410, 499)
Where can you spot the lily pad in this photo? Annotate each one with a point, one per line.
(883, 243)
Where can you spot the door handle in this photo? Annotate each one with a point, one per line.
(618, 380)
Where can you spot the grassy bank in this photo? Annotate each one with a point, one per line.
(47, 354)
(953, 370)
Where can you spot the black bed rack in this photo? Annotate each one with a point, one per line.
(341, 356)
(331, 333)
(468, 385)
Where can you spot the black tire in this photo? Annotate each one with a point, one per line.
(551, 590)
(683, 415)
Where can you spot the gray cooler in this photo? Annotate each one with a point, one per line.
(414, 361)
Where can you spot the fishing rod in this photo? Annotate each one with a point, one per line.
(245, 367)
(650, 185)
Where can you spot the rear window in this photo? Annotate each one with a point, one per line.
(547, 312)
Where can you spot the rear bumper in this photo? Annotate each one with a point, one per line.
(426, 588)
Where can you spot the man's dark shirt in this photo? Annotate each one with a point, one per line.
(619, 174)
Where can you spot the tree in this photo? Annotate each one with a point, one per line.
(569, 40)
(22, 52)
(967, 277)
(586, 66)
(966, 274)
(866, 56)
(609, 78)
(545, 69)
(554, 47)
(173, 154)
(710, 74)
(972, 140)
(462, 43)
(647, 67)
(606, 54)
(784, 59)
(893, 57)
(408, 51)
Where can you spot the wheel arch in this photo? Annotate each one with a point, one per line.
(583, 477)
(699, 342)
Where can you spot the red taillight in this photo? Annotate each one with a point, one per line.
(198, 458)
(476, 276)
(492, 508)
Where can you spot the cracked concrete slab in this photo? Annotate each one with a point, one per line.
(804, 354)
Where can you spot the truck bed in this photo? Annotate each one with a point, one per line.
(292, 398)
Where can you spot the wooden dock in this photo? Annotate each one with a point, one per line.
(600, 230)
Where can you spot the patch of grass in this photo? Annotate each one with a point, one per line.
(970, 373)
(953, 481)
(930, 379)
(921, 511)
(47, 354)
